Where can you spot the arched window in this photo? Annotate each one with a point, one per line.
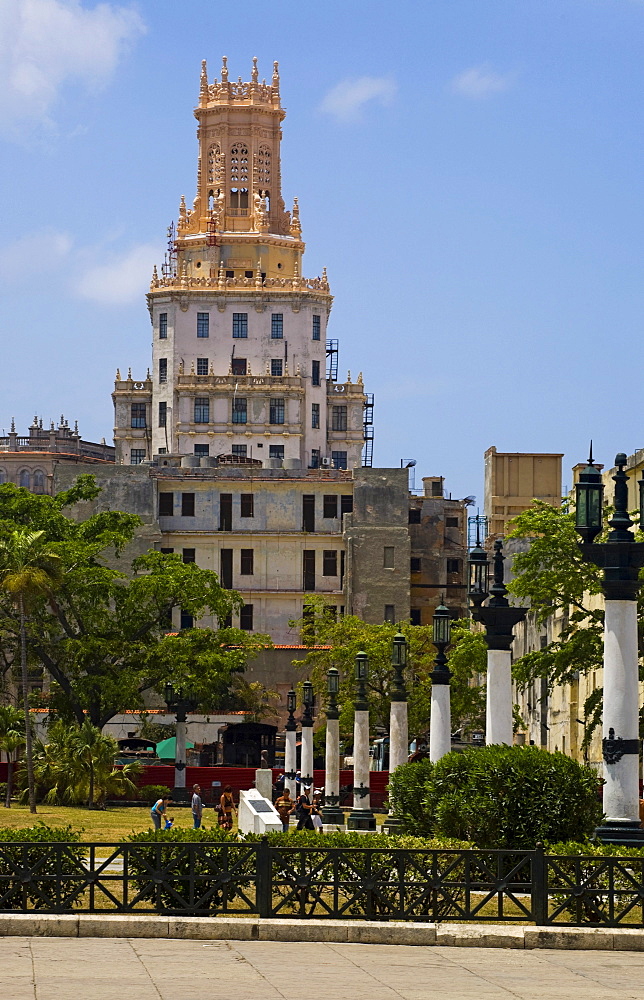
(264, 166)
(39, 481)
(213, 153)
(24, 479)
(239, 165)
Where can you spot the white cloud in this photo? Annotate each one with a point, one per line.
(479, 82)
(121, 280)
(34, 254)
(347, 99)
(46, 43)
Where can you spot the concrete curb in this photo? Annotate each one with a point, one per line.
(120, 925)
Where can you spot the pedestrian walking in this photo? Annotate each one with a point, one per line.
(158, 809)
(197, 806)
(226, 808)
(303, 811)
(285, 807)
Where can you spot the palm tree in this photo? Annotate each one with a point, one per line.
(12, 738)
(29, 570)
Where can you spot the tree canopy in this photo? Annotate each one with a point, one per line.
(104, 634)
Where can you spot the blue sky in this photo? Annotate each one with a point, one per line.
(469, 171)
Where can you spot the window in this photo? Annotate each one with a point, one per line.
(277, 411)
(453, 565)
(315, 373)
(39, 481)
(277, 366)
(163, 370)
(338, 418)
(137, 414)
(163, 326)
(277, 326)
(226, 512)
(202, 450)
(226, 568)
(339, 459)
(276, 451)
(316, 328)
(414, 515)
(202, 366)
(137, 455)
(240, 411)
(247, 505)
(414, 616)
(414, 564)
(308, 512)
(240, 325)
(346, 504)
(315, 458)
(240, 450)
(238, 366)
(246, 618)
(247, 564)
(203, 325)
(308, 569)
(330, 505)
(329, 562)
(187, 621)
(163, 414)
(437, 488)
(390, 613)
(166, 552)
(388, 559)
(202, 410)
(187, 505)
(163, 451)
(451, 522)
(230, 274)
(188, 555)
(226, 621)
(166, 504)
(315, 415)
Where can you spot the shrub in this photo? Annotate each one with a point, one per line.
(150, 793)
(46, 866)
(406, 792)
(512, 797)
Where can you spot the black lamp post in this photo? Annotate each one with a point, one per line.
(308, 698)
(181, 703)
(499, 619)
(361, 816)
(621, 558)
(290, 752)
(331, 812)
(440, 725)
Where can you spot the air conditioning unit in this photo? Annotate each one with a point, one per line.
(326, 463)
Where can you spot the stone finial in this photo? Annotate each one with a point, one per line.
(224, 69)
(184, 275)
(268, 368)
(221, 279)
(118, 375)
(155, 277)
(51, 425)
(76, 427)
(348, 378)
(258, 274)
(129, 376)
(203, 83)
(13, 425)
(147, 375)
(276, 77)
(183, 213)
(192, 367)
(230, 367)
(248, 371)
(295, 227)
(360, 382)
(254, 76)
(181, 367)
(298, 370)
(325, 280)
(286, 368)
(211, 370)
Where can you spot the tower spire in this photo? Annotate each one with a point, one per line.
(203, 84)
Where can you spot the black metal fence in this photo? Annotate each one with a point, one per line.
(256, 879)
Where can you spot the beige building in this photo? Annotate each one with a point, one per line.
(513, 480)
(30, 461)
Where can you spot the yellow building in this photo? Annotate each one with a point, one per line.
(513, 480)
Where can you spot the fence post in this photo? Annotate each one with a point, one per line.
(263, 879)
(539, 886)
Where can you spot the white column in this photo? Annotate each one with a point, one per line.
(498, 712)
(398, 735)
(440, 724)
(361, 758)
(306, 764)
(290, 761)
(332, 759)
(180, 755)
(621, 707)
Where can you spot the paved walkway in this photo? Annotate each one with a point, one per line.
(143, 969)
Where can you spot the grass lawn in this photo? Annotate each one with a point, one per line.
(97, 824)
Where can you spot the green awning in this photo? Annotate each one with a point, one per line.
(167, 749)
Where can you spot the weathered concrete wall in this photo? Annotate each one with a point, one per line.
(377, 579)
(441, 549)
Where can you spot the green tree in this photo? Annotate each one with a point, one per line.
(30, 570)
(335, 642)
(12, 740)
(104, 635)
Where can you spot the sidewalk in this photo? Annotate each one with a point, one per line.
(143, 969)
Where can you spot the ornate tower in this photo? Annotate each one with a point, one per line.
(239, 336)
